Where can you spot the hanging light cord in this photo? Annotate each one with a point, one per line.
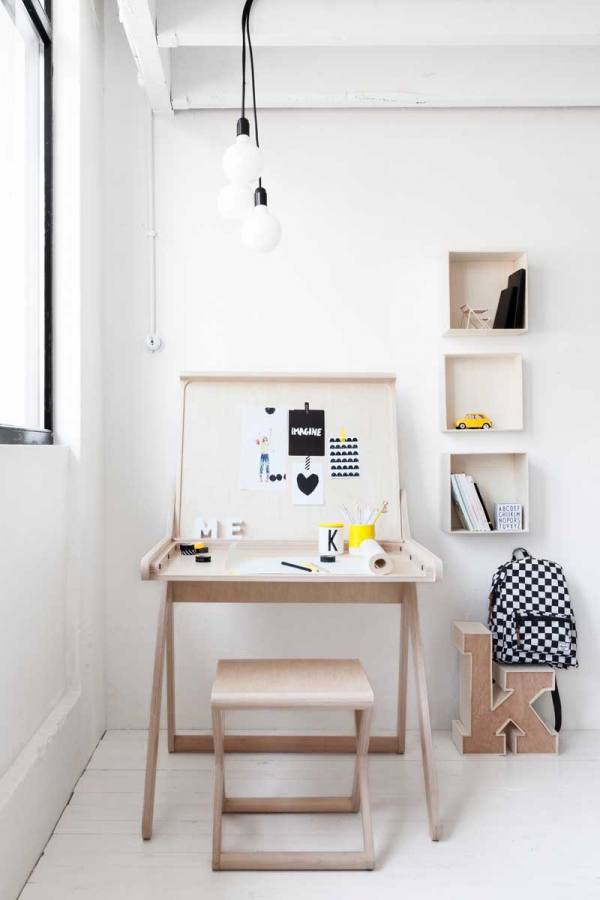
(244, 14)
(246, 35)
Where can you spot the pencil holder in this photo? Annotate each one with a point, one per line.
(358, 534)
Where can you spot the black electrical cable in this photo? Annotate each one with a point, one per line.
(245, 28)
(252, 71)
(246, 34)
(253, 80)
(244, 16)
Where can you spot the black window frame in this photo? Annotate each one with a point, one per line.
(40, 16)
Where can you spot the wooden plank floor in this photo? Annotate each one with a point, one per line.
(524, 827)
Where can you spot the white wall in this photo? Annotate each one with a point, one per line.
(33, 670)
(368, 200)
(51, 540)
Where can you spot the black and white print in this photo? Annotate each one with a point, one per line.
(307, 484)
(306, 432)
(344, 457)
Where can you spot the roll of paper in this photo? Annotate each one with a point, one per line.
(378, 561)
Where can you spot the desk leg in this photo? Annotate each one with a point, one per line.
(402, 677)
(155, 704)
(431, 789)
(170, 675)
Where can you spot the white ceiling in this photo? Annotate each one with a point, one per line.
(369, 53)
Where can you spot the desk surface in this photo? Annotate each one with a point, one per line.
(172, 566)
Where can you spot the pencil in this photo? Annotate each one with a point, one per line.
(383, 507)
(294, 566)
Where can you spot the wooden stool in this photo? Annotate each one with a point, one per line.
(298, 684)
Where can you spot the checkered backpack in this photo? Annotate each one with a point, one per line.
(531, 618)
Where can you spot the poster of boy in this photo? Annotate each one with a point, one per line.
(263, 448)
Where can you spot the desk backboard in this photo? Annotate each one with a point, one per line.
(209, 482)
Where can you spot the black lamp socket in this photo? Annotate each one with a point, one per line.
(260, 197)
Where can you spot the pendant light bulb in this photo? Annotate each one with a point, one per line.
(235, 201)
(261, 231)
(242, 161)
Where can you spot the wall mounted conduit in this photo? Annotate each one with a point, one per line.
(153, 341)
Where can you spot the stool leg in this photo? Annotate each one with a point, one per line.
(302, 860)
(219, 787)
(358, 718)
(362, 777)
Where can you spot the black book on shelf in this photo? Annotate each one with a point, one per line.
(517, 280)
(485, 512)
(505, 314)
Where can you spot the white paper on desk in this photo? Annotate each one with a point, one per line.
(344, 565)
(271, 565)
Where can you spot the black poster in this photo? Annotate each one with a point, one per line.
(307, 432)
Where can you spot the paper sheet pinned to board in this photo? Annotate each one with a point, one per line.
(344, 456)
(263, 459)
(307, 482)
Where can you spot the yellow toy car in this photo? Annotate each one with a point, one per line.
(473, 420)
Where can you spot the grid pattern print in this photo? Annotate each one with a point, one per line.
(531, 616)
(344, 458)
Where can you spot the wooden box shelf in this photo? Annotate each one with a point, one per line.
(491, 384)
(500, 477)
(476, 279)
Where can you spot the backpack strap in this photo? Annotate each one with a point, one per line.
(523, 551)
(557, 707)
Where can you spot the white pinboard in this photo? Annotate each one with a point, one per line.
(209, 481)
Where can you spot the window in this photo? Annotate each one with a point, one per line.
(25, 222)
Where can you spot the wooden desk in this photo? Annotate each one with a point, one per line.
(184, 581)
(209, 485)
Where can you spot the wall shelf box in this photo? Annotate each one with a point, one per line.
(500, 477)
(485, 383)
(476, 279)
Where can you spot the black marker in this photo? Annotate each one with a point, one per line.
(294, 566)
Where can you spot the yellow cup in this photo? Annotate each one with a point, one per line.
(358, 534)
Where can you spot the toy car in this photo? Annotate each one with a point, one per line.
(473, 420)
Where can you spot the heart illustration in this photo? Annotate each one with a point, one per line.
(307, 485)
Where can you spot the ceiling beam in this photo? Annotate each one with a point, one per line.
(369, 53)
(388, 78)
(381, 23)
(153, 62)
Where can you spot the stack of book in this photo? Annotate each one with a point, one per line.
(510, 312)
(469, 504)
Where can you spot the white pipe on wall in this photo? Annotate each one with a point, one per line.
(153, 341)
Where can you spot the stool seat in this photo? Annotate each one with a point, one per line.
(286, 683)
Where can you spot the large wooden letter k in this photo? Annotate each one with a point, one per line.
(493, 711)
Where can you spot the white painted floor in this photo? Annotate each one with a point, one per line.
(514, 827)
